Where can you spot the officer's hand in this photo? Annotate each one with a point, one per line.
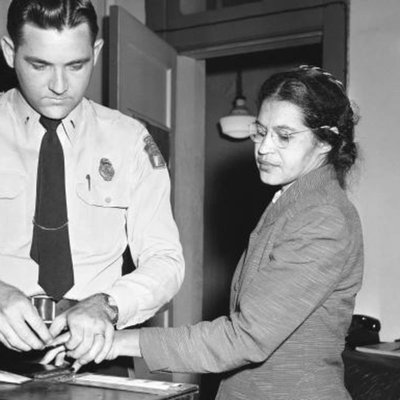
(90, 328)
(21, 328)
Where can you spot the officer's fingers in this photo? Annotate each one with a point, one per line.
(76, 338)
(3, 338)
(85, 328)
(82, 336)
(14, 328)
(19, 335)
(58, 325)
(7, 343)
(37, 325)
(108, 341)
(81, 347)
(15, 343)
(95, 349)
(26, 334)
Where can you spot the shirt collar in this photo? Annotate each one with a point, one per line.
(279, 193)
(24, 111)
(29, 116)
(72, 122)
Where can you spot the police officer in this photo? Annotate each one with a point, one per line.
(113, 191)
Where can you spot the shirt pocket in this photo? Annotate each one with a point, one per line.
(104, 194)
(11, 185)
(13, 211)
(98, 217)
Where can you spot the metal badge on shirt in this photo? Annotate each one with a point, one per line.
(106, 170)
(154, 153)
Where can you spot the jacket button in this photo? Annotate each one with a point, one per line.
(107, 199)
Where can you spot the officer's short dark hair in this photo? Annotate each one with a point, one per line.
(50, 14)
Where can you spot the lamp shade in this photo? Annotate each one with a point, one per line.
(236, 124)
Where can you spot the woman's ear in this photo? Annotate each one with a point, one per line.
(324, 147)
(8, 47)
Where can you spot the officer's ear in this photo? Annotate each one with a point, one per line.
(98, 45)
(8, 47)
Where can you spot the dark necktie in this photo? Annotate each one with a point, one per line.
(50, 242)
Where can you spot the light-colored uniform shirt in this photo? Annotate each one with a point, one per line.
(118, 193)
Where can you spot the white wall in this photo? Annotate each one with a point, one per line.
(374, 83)
(3, 16)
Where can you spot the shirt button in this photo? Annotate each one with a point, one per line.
(107, 199)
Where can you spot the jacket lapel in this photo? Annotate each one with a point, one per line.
(260, 237)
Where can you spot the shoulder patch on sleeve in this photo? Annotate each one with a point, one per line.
(154, 153)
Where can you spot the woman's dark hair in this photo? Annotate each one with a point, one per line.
(50, 14)
(326, 108)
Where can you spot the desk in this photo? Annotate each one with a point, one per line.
(41, 390)
(372, 376)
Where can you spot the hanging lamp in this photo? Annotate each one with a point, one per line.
(236, 124)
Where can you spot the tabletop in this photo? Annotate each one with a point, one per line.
(44, 390)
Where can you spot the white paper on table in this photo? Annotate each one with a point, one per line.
(8, 377)
(125, 383)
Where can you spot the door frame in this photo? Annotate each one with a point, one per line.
(257, 26)
(243, 29)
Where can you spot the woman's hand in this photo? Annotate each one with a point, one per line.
(57, 352)
(125, 343)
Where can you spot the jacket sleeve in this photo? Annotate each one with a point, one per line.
(153, 240)
(294, 277)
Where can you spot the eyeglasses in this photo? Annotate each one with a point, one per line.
(280, 137)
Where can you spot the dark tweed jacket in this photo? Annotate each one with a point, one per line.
(292, 299)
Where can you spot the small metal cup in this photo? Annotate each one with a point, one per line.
(46, 308)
